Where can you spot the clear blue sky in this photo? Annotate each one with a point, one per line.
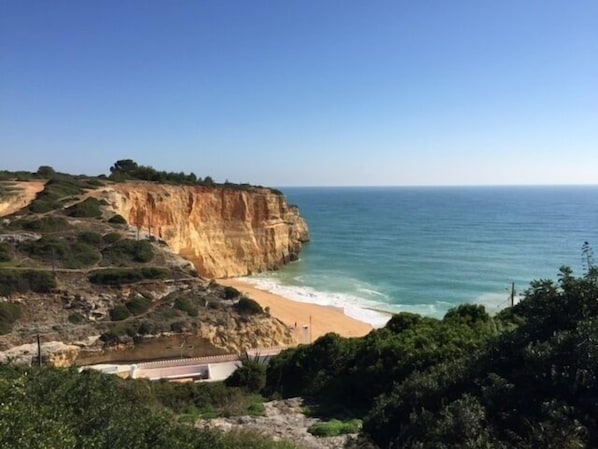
(298, 92)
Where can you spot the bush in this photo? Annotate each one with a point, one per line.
(185, 305)
(89, 208)
(119, 313)
(117, 219)
(57, 189)
(231, 292)
(60, 251)
(90, 238)
(119, 276)
(137, 306)
(75, 318)
(111, 237)
(123, 252)
(9, 313)
(45, 224)
(146, 327)
(23, 281)
(4, 252)
(251, 376)
(247, 306)
(334, 428)
(122, 329)
(177, 326)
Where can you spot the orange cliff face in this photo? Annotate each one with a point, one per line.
(225, 232)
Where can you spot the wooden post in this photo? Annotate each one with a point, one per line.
(39, 351)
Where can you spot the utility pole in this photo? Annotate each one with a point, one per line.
(310, 329)
(512, 294)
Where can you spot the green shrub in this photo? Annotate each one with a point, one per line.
(251, 376)
(334, 428)
(45, 224)
(111, 237)
(119, 276)
(57, 189)
(90, 238)
(89, 208)
(231, 292)
(247, 306)
(9, 313)
(122, 329)
(137, 306)
(177, 326)
(117, 219)
(23, 281)
(82, 255)
(119, 313)
(125, 251)
(186, 306)
(61, 252)
(146, 327)
(5, 252)
(75, 318)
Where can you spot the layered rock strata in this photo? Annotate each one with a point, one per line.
(225, 232)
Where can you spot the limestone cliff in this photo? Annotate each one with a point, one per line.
(225, 232)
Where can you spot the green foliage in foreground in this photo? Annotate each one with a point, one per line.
(335, 427)
(526, 378)
(369, 366)
(49, 408)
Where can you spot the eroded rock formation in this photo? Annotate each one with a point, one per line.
(225, 232)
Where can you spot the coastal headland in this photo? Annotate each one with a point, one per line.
(106, 269)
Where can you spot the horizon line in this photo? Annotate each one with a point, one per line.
(348, 186)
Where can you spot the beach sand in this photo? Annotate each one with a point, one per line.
(297, 315)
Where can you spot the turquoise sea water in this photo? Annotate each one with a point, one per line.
(427, 249)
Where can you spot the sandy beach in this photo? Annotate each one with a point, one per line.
(298, 315)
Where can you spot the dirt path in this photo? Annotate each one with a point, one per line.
(22, 195)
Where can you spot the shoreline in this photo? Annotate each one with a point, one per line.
(299, 315)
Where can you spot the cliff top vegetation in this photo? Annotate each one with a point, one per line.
(123, 170)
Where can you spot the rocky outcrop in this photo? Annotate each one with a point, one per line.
(225, 232)
(285, 420)
(20, 194)
(53, 353)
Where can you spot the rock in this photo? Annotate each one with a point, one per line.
(224, 232)
(54, 353)
(284, 420)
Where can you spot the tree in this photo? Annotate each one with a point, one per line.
(45, 171)
(124, 166)
(587, 257)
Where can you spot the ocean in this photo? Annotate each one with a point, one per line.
(427, 249)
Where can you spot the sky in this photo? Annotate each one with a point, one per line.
(304, 93)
